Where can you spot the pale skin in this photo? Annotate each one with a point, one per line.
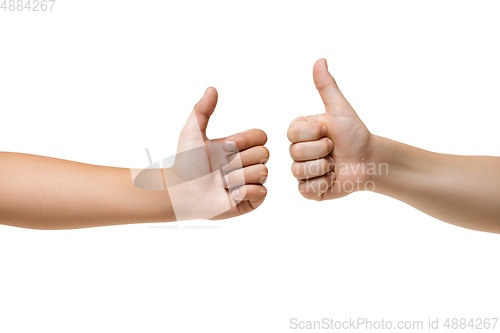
(334, 149)
(330, 150)
(46, 193)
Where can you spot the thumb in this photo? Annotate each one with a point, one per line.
(198, 119)
(205, 107)
(193, 133)
(335, 102)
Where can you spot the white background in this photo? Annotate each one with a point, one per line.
(98, 81)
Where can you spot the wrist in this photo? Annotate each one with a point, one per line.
(198, 196)
(396, 165)
(384, 159)
(149, 197)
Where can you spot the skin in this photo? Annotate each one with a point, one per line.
(47, 193)
(334, 154)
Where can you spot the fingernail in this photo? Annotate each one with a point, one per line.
(231, 146)
(330, 144)
(323, 130)
(225, 180)
(331, 163)
(235, 194)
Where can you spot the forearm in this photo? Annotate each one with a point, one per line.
(462, 190)
(47, 193)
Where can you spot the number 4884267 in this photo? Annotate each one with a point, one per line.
(27, 5)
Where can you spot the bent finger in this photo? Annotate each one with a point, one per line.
(311, 150)
(313, 189)
(249, 193)
(243, 140)
(250, 156)
(254, 174)
(301, 130)
(312, 169)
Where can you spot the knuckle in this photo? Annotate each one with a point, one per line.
(317, 131)
(302, 188)
(292, 133)
(314, 168)
(325, 166)
(264, 191)
(231, 177)
(309, 195)
(297, 151)
(323, 186)
(326, 147)
(263, 135)
(265, 154)
(306, 188)
(236, 177)
(239, 141)
(263, 170)
(296, 169)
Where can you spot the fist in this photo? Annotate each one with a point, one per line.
(331, 151)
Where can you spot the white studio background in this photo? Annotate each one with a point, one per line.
(98, 81)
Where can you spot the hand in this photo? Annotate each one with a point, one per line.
(331, 151)
(202, 190)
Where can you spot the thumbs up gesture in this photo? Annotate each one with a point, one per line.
(219, 178)
(332, 150)
(210, 179)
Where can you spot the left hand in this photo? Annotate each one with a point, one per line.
(200, 197)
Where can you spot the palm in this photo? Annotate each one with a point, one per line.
(198, 168)
(352, 144)
(192, 165)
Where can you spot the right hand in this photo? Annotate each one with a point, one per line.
(330, 150)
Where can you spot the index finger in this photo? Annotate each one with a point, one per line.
(243, 140)
(302, 130)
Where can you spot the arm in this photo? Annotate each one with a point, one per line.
(47, 193)
(334, 155)
(462, 190)
(210, 179)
